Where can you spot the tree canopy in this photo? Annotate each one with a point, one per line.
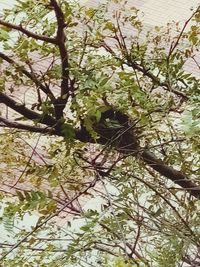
(99, 136)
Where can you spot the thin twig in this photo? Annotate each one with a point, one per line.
(30, 75)
(173, 46)
(28, 162)
(38, 226)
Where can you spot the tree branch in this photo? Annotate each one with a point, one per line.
(61, 38)
(128, 143)
(56, 250)
(169, 172)
(135, 66)
(28, 33)
(31, 76)
(155, 79)
(20, 126)
(27, 113)
(174, 45)
(48, 218)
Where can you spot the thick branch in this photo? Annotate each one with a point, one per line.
(31, 76)
(169, 172)
(28, 33)
(27, 113)
(127, 143)
(20, 126)
(124, 141)
(61, 38)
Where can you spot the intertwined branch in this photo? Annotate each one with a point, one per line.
(60, 102)
(50, 217)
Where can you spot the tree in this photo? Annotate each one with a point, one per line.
(119, 114)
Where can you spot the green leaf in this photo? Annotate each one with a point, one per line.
(68, 131)
(110, 26)
(4, 36)
(103, 81)
(90, 12)
(20, 195)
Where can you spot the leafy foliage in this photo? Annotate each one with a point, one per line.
(101, 138)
